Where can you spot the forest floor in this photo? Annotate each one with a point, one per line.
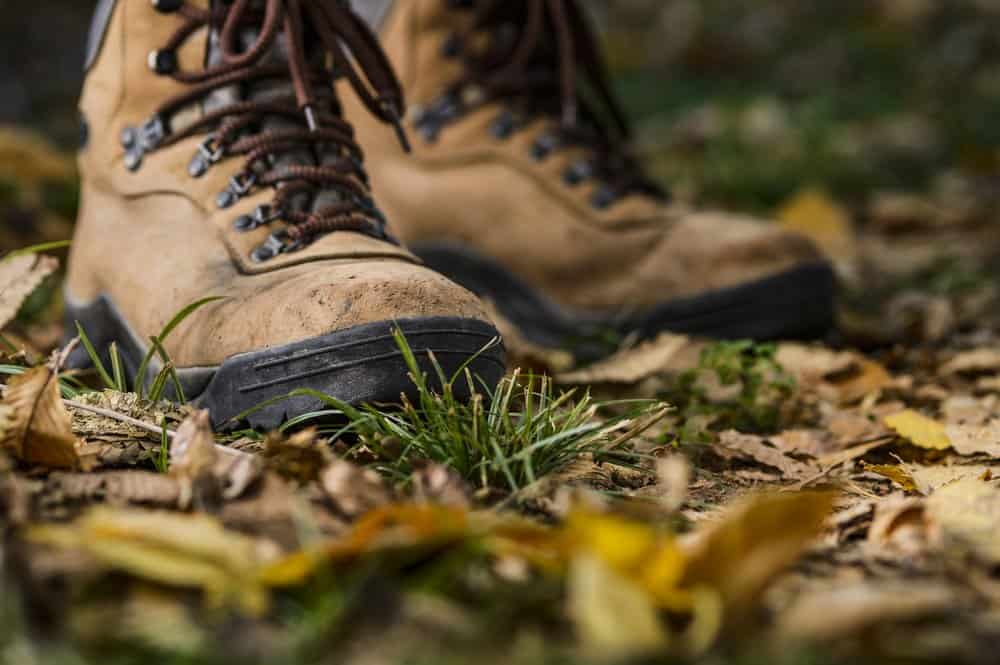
(681, 501)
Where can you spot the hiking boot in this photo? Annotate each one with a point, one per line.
(217, 163)
(525, 192)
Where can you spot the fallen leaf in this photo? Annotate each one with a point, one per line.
(898, 529)
(352, 490)
(192, 551)
(756, 449)
(632, 365)
(615, 619)
(918, 429)
(116, 488)
(37, 428)
(966, 513)
(300, 457)
(977, 361)
(440, 484)
(756, 540)
(975, 439)
(673, 474)
(847, 611)
(193, 456)
(929, 478)
(895, 473)
(19, 277)
(814, 214)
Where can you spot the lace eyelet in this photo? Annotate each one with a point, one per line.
(138, 141)
(262, 215)
(276, 244)
(162, 62)
(167, 6)
(603, 198)
(452, 46)
(239, 186)
(503, 126)
(543, 147)
(207, 156)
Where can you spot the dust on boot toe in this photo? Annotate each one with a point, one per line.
(219, 164)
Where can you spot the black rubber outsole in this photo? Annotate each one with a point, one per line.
(795, 304)
(359, 365)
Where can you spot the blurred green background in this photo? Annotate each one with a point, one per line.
(740, 103)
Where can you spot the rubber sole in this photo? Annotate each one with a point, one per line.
(795, 304)
(359, 365)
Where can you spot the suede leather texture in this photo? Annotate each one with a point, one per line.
(491, 196)
(154, 241)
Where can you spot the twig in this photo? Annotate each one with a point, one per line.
(121, 417)
(152, 429)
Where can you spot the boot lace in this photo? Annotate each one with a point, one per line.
(542, 59)
(294, 140)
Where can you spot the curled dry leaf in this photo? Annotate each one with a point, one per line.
(37, 428)
(666, 354)
(899, 528)
(977, 361)
(354, 491)
(439, 484)
(19, 277)
(747, 447)
(193, 456)
(300, 457)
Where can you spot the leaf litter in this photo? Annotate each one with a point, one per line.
(794, 495)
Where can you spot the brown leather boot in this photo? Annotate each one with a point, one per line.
(523, 190)
(218, 164)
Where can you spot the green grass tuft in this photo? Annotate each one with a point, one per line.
(505, 437)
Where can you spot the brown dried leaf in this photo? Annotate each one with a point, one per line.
(37, 427)
(977, 361)
(19, 277)
(354, 491)
(975, 439)
(193, 455)
(899, 528)
(114, 487)
(749, 447)
(300, 457)
(966, 513)
(930, 478)
(439, 484)
(665, 354)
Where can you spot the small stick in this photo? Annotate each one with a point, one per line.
(114, 415)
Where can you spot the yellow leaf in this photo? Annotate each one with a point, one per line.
(37, 428)
(651, 559)
(614, 617)
(895, 473)
(193, 551)
(756, 541)
(919, 430)
(815, 215)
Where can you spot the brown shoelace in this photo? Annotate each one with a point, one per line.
(542, 54)
(322, 41)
